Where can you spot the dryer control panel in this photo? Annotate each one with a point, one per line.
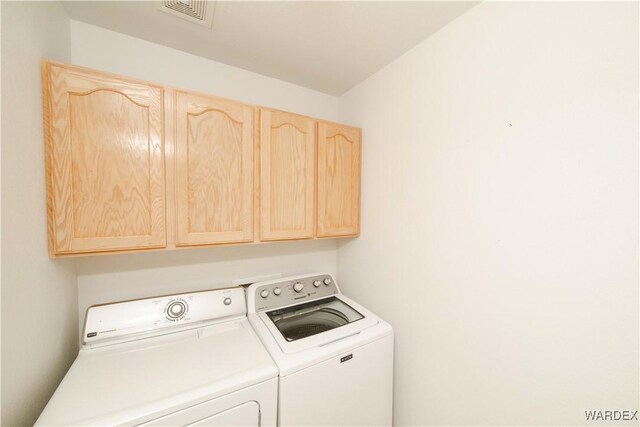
(158, 314)
(280, 293)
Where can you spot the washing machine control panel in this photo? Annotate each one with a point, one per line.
(278, 294)
(150, 315)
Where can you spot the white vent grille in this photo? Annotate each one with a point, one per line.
(198, 11)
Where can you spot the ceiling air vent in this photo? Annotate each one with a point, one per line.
(198, 11)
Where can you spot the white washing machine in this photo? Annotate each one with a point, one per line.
(335, 358)
(188, 359)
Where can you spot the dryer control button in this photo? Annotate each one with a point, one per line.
(264, 293)
(176, 309)
(298, 287)
(227, 301)
(316, 283)
(277, 291)
(327, 281)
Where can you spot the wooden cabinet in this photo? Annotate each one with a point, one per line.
(287, 164)
(214, 170)
(135, 166)
(104, 161)
(338, 180)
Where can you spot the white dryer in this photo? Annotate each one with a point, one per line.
(335, 357)
(188, 359)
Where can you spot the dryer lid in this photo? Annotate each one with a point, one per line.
(132, 382)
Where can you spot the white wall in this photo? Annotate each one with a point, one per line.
(117, 277)
(500, 215)
(106, 50)
(0, 216)
(130, 276)
(39, 296)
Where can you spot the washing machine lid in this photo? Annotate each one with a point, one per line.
(136, 381)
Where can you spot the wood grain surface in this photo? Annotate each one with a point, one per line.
(231, 168)
(338, 180)
(105, 170)
(287, 158)
(214, 170)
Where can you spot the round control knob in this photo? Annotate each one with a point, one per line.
(298, 287)
(176, 309)
(227, 301)
(327, 281)
(316, 283)
(277, 291)
(264, 293)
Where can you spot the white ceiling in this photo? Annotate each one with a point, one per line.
(329, 46)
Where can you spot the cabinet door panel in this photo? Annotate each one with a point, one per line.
(338, 180)
(105, 166)
(214, 170)
(287, 154)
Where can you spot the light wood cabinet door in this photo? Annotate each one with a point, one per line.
(338, 180)
(214, 170)
(104, 160)
(287, 153)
